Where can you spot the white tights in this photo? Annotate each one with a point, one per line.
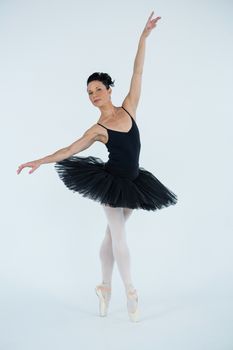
(114, 246)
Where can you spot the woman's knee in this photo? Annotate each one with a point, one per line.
(106, 245)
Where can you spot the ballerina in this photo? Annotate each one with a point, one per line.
(120, 185)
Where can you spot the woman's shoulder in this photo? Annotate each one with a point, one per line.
(99, 133)
(129, 107)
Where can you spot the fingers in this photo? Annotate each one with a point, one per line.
(155, 19)
(34, 167)
(152, 21)
(151, 15)
(20, 168)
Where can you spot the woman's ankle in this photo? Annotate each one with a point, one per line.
(129, 287)
(107, 284)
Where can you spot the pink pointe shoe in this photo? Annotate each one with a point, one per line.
(132, 304)
(103, 292)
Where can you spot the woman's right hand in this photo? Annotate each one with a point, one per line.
(33, 164)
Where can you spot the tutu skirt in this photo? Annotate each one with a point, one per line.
(89, 177)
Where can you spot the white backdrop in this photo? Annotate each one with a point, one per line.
(50, 237)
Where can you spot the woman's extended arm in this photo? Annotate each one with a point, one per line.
(133, 96)
(88, 138)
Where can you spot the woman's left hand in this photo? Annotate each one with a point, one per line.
(151, 23)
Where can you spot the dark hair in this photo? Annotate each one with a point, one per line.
(103, 77)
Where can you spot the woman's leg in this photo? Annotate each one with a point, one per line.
(106, 258)
(116, 237)
(115, 248)
(106, 252)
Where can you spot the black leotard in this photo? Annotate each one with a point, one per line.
(124, 149)
(120, 182)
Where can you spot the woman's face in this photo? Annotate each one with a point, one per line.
(98, 93)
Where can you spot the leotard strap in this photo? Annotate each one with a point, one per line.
(103, 126)
(127, 112)
(116, 130)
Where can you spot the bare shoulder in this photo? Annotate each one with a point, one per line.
(130, 106)
(96, 132)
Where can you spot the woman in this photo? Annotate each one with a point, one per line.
(120, 185)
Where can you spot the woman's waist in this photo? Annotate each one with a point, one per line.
(122, 170)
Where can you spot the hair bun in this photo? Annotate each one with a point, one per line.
(103, 77)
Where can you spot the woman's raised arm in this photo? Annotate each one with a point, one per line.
(132, 99)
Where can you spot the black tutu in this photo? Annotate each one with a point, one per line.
(89, 177)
